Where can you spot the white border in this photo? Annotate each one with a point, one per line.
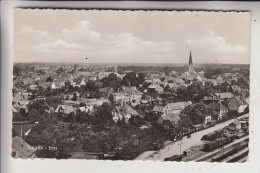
(10, 165)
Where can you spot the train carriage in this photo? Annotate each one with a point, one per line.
(210, 136)
(210, 146)
(222, 141)
(230, 137)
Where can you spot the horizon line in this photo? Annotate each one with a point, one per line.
(136, 63)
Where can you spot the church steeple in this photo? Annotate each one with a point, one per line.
(75, 69)
(191, 69)
(190, 59)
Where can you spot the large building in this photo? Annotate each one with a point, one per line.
(190, 66)
(191, 74)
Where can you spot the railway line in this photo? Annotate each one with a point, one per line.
(228, 149)
(242, 160)
(236, 156)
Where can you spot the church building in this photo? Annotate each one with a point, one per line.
(191, 74)
(190, 65)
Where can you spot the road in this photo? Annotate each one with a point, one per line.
(173, 148)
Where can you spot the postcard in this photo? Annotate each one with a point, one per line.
(131, 85)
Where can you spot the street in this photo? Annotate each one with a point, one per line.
(173, 148)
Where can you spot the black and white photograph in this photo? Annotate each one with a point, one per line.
(168, 86)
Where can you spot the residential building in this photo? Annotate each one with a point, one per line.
(219, 108)
(224, 95)
(65, 110)
(155, 88)
(123, 111)
(21, 149)
(236, 104)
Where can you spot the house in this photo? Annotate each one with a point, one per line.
(236, 124)
(245, 93)
(17, 97)
(54, 85)
(107, 91)
(175, 108)
(210, 99)
(173, 73)
(155, 88)
(88, 108)
(158, 110)
(230, 129)
(117, 97)
(83, 73)
(224, 95)
(156, 81)
(173, 118)
(131, 94)
(21, 149)
(65, 109)
(123, 111)
(219, 108)
(236, 88)
(94, 101)
(236, 104)
(208, 116)
(33, 87)
(79, 82)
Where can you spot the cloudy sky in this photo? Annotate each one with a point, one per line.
(130, 36)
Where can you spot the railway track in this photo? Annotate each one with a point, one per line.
(222, 155)
(237, 155)
(208, 156)
(242, 160)
(243, 156)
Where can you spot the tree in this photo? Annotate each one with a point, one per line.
(208, 88)
(214, 115)
(135, 121)
(75, 96)
(141, 78)
(194, 91)
(90, 86)
(182, 94)
(39, 105)
(196, 112)
(82, 104)
(16, 70)
(130, 78)
(60, 70)
(49, 79)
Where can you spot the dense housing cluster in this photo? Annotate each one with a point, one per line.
(119, 111)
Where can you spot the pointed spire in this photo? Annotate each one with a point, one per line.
(190, 59)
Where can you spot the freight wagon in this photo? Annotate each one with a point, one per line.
(198, 127)
(158, 145)
(210, 146)
(176, 158)
(219, 142)
(230, 137)
(210, 136)
(212, 123)
(240, 135)
(222, 141)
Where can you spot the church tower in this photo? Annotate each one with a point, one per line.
(75, 70)
(190, 65)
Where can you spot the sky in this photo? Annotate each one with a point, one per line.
(109, 36)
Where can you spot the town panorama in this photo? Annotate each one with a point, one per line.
(160, 112)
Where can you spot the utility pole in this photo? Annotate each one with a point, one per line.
(21, 130)
(180, 146)
(222, 146)
(180, 143)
